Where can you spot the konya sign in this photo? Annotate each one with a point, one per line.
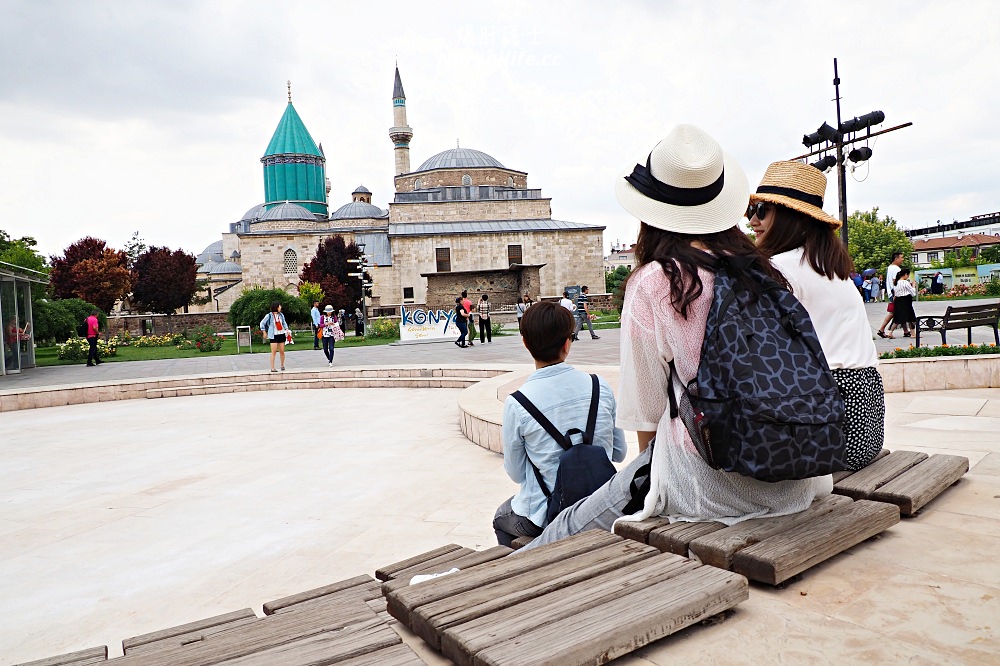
(427, 325)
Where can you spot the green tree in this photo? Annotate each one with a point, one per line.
(21, 252)
(254, 303)
(134, 249)
(614, 284)
(873, 240)
(310, 292)
(54, 322)
(990, 255)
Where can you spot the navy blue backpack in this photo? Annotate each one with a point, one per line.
(583, 468)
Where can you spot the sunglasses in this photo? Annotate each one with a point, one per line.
(759, 209)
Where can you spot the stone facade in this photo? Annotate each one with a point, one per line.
(162, 324)
(460, 211)
(453, 178)
(503, 287)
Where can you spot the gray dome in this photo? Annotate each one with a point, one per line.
(254, 213)
(288, 211)
(361, 189)
(212, 253)
(225, 267)
(357, 210)
(457, 158)
(214, 248)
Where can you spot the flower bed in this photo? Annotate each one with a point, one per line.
(77, 349)
(942, 350)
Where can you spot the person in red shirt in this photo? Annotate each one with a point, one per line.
(467, 306)
(93, 325)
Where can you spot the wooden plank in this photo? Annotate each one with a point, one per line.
(462, 642)
(397, 655)
(271, 631)
(639, 530)
(366, 592)
(94, 655)
(717, 549)
(389, 571)
(912, 489)
(401, 602)
(328, 647)
(778, 558)
(434, 565)
(520, 542)
(187, 633)
(840, 476)
(624, 624)
(462, 563)
(431, 619)
(864, 482)
(340, 586)
(675, 537)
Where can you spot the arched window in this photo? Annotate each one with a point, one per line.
(291, 261)
(466, 179)
(417, 184)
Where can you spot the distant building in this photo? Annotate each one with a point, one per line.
(620, 256)
(461, 211)
(928, 250)
(988, 224)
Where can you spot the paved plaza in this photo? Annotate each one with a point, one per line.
(121, 518)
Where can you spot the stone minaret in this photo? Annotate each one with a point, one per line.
(400, 132)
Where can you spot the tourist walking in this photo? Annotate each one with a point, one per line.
(866, 288)
(93, 327)
(331, 332)
(890, 286)
(461, 321)
(690, 198)
(583, 314)
(315, 315)
(359, 323)
(937, 284)
(485, 327)
(467, 304)
(876, 288)
(803, 244)
(276, 330)
(522, 307)
(903, 314)
(568, 304)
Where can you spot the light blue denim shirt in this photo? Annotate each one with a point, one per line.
(562, 394)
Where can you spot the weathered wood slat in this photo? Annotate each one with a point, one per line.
(357, 583)
(269, 632)
(461, 642)
(401, 602)
(864, 482)
(429, 620)
(389, 571)
(397, 655)
(914, 488)
(778, 558)
(329, 647)
(675, 537)
(441, 563)
(717, 549)
(94, 655)
(639, 530)
(840, 476)
(645, 614)
(462, 563)
(365, 592)
(187, 633)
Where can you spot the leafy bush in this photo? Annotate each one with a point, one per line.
(254, 304)
(53, 321)
(158, 340)
(382, 327)
(204, 339)
(993, 287)
(77, 349)
(78, 310)
(943, 350)
(496, 328)
(310, 292)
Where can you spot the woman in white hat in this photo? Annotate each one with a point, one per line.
(691, 198)
(331, 332)
(786, 211)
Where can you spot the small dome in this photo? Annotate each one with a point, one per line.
(211, 254)
(288, 211)
(361, 189)
(214, 248)
(224, 268)
(254, 213)
(457, 158)
(357, 210)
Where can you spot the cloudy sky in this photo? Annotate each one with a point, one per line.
(131, 115)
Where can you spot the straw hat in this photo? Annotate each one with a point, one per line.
(797, 186)
(328, 309)
(688, 185)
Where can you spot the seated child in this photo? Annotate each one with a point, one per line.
(562, 394)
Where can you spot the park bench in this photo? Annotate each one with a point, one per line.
(908, 479)
(956, 317)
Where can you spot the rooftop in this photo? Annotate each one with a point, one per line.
(291, 136)
(457, 158)
(968, 240)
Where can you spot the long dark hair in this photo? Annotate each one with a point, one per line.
(820, 245)
(681, 261)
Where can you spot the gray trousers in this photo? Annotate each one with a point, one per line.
(580, 319)
(599, 511)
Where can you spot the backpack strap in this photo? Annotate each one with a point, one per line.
(595, 398)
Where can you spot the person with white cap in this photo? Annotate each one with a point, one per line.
(331, 332)
(691, 198)
(803, 244)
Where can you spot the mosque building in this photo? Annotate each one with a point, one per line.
(461, 220)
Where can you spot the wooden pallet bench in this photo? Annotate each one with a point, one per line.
(907, 479)
(583, 600)
(96, 655)
(770, 550)
(185, 634)
(958, 317)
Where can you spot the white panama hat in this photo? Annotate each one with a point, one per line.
(688, 185)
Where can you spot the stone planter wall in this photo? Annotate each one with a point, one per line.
(941, 373)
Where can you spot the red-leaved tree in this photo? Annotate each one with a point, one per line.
(91, 271)
(329, 269)
(165, 280)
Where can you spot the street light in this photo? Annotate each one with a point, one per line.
(362, 263)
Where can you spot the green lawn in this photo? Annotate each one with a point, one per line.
(50, 355)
